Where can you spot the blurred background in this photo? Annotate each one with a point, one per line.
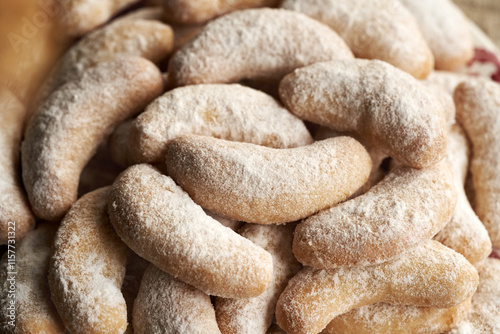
(486, 14)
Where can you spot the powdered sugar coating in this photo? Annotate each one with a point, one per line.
(255, 44)
(187, 11)
(34, 310)
(464, 233)
(14, 206)
(445, 29)
(67, 129)
(125, 36)
(168, 305)
(375, 29)
(484, 317)
(254, 315)
(396, 215)
(398, 319)
(77, 17)
(159, 221)
(445, 98)
(478, 104)
(231, 112)
(447, 80)
(263, 185)
(381, 104)
(432, 275)
(87, 269)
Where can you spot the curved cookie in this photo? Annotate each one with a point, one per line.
(231, 112)
(432, 275)
(385, 318)
(167, 305)
(464, 233)
(396, 215)
(33, 312)
(254, 44)
(478, 104)
(188, 11)
(375, 29)
(67, 129)
(87, 269)
(159, 221)
(445, 29)
(16, 218)
(254, 315)
(263, 185)
(126, 36)
(382, 105)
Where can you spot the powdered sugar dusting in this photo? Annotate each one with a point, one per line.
(379, 103)
(484, 317)
(263, 185)
(478, 105)
(375, 29)
(159, 221)
(254, 315)
(431, 275)
(167, 305)
(445, 29)
(464, 233)
(255, 44)
(87, 269)
(396, 215)
(67, 129)
(230, 112)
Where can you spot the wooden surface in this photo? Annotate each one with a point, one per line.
(486, 14)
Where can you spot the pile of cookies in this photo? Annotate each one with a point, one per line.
(312, 167)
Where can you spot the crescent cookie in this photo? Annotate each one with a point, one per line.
(254, 44)
(16, 218)
(375, 29)
(432, 275)
(159, 221)
(66, 130)
(168, 305)
(262, 185)
(381, 104)
(231, 112)
(87, 269)
(478, 112)
(33, 312)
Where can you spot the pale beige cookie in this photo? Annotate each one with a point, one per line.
(255, 315)
(16, 218)
(159, 221)
(27, 286)
(263, 185)
(255, 44)
(87, 269)
(478, 110)
(188, 11)
(445, 98)
(67, 129)
(125, 36)
(406, 207)
(168, 305)
(145, 13)
(448, 80)
(432, 275)
(382, 105)
(184, 33)
(375, 29)
(445, 29)
(464, 233)
(78, 17)
(484, 317)
(385, 318)
(231, 112)
(231, 223)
